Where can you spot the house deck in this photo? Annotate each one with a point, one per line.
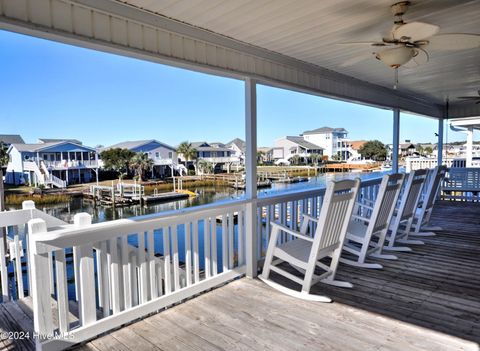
(428, 299)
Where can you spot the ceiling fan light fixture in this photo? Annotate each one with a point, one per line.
(396, 57)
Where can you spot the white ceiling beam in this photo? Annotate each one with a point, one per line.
(115, 27)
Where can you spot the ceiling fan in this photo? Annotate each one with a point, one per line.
(406, 44)
(470, 98)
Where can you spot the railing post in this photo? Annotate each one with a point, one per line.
(251, 176)
(440, 142)
(3, 247)
(396, 139)
(86, 274)
(40, 289)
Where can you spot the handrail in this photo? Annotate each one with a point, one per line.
(72, 235)
(265, 200)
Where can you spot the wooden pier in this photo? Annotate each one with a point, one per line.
(349, 167)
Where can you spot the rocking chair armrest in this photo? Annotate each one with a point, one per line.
(290, 231)
(310, 218)
(360, 218)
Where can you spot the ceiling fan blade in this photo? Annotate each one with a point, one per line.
(414, 31)
(354, 60)
(468, 97)
(460, 41)
(421, 57)
(364, 43)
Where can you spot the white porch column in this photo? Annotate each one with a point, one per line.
(469, 154)
(251, 176)
(396, 139)
(96, 166)
(440, 142)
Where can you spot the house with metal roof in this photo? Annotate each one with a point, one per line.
(334, 141)
(9, 139)
(216, 153)
(237, 145)
(54, 164)
(164, 156)
(289, 146)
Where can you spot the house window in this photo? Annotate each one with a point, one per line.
(157, 154)
(170, 154)
(45, 157)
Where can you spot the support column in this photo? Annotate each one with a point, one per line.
(96, 166)
(440, 142)
(469, 154)
(251, 248)
(396, 139)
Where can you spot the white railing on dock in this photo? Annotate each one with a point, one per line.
(14, 237)
(114, 284)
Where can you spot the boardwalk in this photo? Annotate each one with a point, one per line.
(426, 300)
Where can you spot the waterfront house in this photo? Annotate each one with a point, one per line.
(237, 146)
(289, 147)
(264, 154)
(53, 163)
(217, 154)
(355, 146)
(9, 139)
(164, 156)
(334, 141)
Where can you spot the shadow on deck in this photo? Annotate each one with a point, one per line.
(428, 299)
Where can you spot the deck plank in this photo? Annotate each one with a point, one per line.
(427, 299)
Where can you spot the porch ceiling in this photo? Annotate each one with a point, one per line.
(309, 30)
(279, 41)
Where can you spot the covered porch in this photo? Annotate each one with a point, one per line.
(426, 300)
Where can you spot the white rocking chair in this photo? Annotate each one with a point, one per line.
(304, 252)
(372, 219)
(401, 222)
(425, 208)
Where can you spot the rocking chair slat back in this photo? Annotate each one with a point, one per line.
(333, 221)
(412, 192)
(385, 204)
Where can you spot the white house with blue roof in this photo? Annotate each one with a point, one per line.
(51, 162)
(164, 156)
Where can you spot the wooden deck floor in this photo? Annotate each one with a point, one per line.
(426, 300)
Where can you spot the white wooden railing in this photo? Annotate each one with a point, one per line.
(114, 284)
(126, 269)
(14, 237)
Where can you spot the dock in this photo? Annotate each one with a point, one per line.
(349, 167)
(164, 197)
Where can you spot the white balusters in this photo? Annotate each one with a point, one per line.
(62, 291)
(42, 308)
(87, 304)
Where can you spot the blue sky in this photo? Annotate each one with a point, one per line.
(53, 90)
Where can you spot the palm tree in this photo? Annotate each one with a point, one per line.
(205, 166)
(188, 151)
(260, 156)
(315, 158)
(140, 163)
(295, 159)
